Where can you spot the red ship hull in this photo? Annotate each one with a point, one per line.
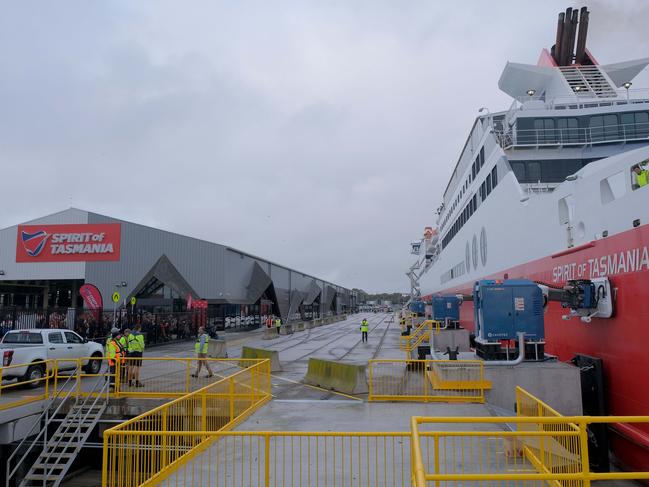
(621, 341)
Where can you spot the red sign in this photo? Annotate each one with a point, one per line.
(68, 243)
(200, 304)
(92, 297)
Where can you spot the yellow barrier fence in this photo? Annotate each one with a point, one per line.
(160, 378)
(12, 396)
(147, 449)
(427, 380)
(484, 450)
(557, 452)
(297, 459)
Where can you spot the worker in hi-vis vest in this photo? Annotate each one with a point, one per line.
(114, 354)
(135, 342)
(278, 324)
(200, 347)
(365, 327)
(641, 176)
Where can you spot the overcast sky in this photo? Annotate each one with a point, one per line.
(319, 135)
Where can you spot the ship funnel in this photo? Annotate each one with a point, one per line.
(563, 51)
(556, 49)
(580, 55)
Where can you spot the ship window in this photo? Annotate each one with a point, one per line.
(627, 120)
(519, 170)
(612, 187)
(634, 125)
(488, 181)
(557, 170)
(483, 193)
(568, 129)
(642, 124)
(533, 171)
(545, 130)
(597, 128)
(611, 129)
(494, 177)
(644, 167)
(481, 157)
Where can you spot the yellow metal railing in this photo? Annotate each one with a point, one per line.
(482, 449)
(419, 335)
(148, 449)
(20, 398)
(557, 451)
(160, 378)
(174, 377)
(440, 451)
(296, 459)
(427, 380)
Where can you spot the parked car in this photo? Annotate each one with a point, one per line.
(32, 346)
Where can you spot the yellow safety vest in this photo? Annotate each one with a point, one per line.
(136, 342)
(113, 351)
(364, 326)
(643, 178)
(278, 323)
(197, 346)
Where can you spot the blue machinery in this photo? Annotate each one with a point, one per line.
(418, 307)
(503, 309)
(446, 309)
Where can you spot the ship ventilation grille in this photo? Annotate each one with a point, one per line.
(588, 81)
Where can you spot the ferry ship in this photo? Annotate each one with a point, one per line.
(548, 190)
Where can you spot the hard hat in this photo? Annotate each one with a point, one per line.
(115, 330)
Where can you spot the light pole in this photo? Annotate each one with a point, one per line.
(627, 85)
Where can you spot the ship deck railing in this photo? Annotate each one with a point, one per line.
(585, 99)
(606, 134)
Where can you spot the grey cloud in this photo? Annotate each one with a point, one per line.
(317, 134)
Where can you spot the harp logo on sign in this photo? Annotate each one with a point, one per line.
(68, 243)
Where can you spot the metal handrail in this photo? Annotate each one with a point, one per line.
(587, 98)
(44, 414)
(573, 136)
(104, 389)
(419, 334)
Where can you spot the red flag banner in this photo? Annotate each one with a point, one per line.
(92, 297)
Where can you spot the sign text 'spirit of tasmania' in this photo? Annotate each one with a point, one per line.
(68, 243)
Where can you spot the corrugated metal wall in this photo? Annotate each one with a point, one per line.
(212, 270)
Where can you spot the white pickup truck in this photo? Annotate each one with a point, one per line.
(36, 345)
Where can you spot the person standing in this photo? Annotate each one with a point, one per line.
(125, 363)
(641, 176)
(278, 324)
(135, 350)
(365, 327)
(114, 354)
(200, 347)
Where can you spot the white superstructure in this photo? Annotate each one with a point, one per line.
(552, 172)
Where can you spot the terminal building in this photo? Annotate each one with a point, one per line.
(77, 261)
